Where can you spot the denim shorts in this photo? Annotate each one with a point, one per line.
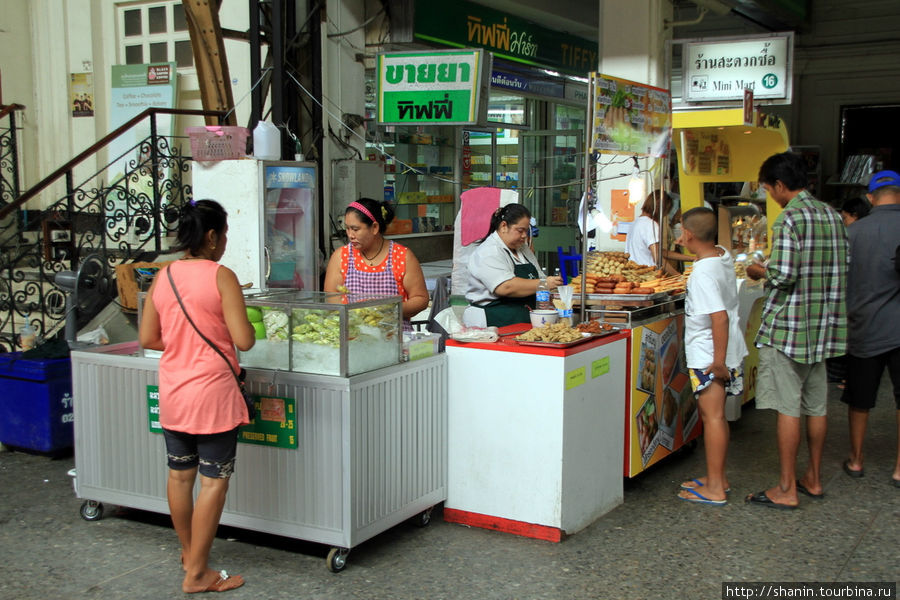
(213, 452)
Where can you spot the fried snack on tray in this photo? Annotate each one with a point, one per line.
(593, 327)
(557, 332)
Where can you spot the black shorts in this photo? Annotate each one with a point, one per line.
(214, 452)
(864, 378)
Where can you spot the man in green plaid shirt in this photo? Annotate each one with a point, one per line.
(804, 321)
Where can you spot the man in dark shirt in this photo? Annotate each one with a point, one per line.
(873, 309)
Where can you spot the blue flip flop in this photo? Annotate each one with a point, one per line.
(701, 499)
(699, 484)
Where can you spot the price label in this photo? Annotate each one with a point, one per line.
(600, 367)
(575, 378)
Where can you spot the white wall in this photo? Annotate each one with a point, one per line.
(18, 80)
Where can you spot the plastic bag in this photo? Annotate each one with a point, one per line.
(97, 336)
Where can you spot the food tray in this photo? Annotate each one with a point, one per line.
(585, 337)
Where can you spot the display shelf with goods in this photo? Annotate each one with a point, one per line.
(420, 177)
(494, 158)
(324, 333)
(852, 180)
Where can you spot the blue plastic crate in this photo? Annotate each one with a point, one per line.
(35, 403)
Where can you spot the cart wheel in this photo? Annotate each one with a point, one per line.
(337, 559)
(91, 510)
(423, 518)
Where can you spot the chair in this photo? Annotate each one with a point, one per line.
(568, 262)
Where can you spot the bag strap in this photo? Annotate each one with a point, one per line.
(191, 321)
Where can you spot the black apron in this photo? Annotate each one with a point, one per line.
(510, 311)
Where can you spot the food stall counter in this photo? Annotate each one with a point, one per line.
(535, 434)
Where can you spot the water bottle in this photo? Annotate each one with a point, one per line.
(543, 295)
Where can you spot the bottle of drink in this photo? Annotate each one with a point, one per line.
(543, 295)
(27, 336)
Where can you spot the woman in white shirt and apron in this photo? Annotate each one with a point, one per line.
(503, 271)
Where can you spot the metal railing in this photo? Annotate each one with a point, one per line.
(122, 212)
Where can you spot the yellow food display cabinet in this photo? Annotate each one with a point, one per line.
(719, 146)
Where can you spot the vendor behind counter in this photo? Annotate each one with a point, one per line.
(503, 272)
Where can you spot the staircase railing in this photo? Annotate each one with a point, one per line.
(124, 211)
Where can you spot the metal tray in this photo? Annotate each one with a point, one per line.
(586, 337)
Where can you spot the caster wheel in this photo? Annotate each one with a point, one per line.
(423, 518)
(91, 510)
(337, 559)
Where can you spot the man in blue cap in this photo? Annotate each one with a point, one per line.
(873, 311)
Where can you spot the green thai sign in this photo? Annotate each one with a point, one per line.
(469, 25)
(443, 87)
(275, 423)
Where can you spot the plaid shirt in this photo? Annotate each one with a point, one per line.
(804, 314)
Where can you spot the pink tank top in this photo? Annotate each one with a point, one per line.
(197, 391)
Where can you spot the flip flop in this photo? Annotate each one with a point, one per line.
(802, 489)
(224, 583)
(761, 499)
(854, 473)
(700, 499)
(895, 482)
(698, 484)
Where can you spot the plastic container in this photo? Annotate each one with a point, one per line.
(36, 403)
(27, 336)
(266, 141)
(420, 345)
(218, 142)
(543, 317)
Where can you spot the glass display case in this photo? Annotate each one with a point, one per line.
(324, 333)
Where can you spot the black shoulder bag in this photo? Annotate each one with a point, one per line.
(248, 400)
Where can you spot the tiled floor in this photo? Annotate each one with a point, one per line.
(653, 546)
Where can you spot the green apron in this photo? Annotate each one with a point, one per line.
(509, 311)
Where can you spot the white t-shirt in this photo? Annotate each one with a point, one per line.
(491, 264)
(643, 233)
(712, 287)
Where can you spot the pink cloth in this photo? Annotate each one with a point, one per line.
(475, 215)
(197, 391)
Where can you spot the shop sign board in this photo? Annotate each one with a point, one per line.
(468, 25)
(721, 69)
(275, 423)
(526, 85)
(444, 87)
(630, 117)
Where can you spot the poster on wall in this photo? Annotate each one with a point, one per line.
(81, 94)
(705, 153)
(133, 89)
(630, 117)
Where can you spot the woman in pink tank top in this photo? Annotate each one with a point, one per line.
(199, 401)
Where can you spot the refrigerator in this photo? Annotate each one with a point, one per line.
(273, 239)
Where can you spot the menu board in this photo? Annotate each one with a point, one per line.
(630, 118)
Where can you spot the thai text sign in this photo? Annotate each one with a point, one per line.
(468, 25)
(630, 118)
(722, 70)
(441, 87)
(275, 423)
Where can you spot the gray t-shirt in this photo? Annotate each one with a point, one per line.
(873, 284)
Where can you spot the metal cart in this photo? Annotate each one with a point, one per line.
(371, 449)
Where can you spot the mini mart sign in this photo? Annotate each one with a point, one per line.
(442, 87)
(721, 69)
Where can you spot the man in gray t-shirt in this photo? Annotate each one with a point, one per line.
(873, 311)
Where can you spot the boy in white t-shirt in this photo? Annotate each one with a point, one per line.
(714, 347)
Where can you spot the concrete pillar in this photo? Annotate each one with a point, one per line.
(632, 46)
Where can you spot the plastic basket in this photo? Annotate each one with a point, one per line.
(218, 142)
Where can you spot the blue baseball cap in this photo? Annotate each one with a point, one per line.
(882, 179)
